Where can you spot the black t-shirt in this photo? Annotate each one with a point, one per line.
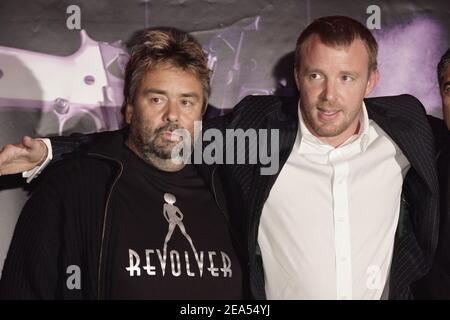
(169, 239)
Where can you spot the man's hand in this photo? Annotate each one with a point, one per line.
(16, 158)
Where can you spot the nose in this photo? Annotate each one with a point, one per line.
(172, 112)
(329, 90)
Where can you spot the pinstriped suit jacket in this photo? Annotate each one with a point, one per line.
(403, 118)
(436, 285)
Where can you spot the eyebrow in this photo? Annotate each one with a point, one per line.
(352, 73)
(190, 95)
(163, 92)
(151, 90)
(313, 70)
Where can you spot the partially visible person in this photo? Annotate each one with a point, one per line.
(437, 284)
(444, 85)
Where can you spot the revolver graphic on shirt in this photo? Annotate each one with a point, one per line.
(87, 83)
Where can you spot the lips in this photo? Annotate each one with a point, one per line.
(328, 115)
(172, 136)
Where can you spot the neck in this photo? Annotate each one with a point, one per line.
(166, 165)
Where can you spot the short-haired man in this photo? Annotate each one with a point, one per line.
(353, 211)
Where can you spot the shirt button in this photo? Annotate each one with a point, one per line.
(341, 219)
(343, 259)
(344, 298)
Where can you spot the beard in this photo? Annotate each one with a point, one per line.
(150, 142)
(330, 129)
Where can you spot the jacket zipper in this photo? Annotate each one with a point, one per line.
(105, 213)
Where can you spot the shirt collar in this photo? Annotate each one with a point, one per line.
(307, 143)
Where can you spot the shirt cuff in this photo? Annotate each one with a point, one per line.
(33, 173)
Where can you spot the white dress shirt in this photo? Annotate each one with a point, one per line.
(327, 228)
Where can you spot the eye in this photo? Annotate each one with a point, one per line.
(155, 100)
(315, 76)
(447, 90)
(347, 78)
(186, 103)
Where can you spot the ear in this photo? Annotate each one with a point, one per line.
(372, 82)
(128, 113)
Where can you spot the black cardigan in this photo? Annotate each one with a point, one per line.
(66, 223)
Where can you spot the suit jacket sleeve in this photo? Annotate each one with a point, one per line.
(66, 145)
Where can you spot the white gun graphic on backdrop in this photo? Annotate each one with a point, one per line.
(90, 81)
(87, 83)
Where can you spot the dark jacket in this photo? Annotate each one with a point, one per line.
(403, 118)
(436, 285)
(66, 224)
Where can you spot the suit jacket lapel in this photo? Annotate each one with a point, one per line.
(418, 148)
(286, 121)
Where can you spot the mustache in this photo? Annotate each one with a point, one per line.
(167, 127)
(328, 107)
